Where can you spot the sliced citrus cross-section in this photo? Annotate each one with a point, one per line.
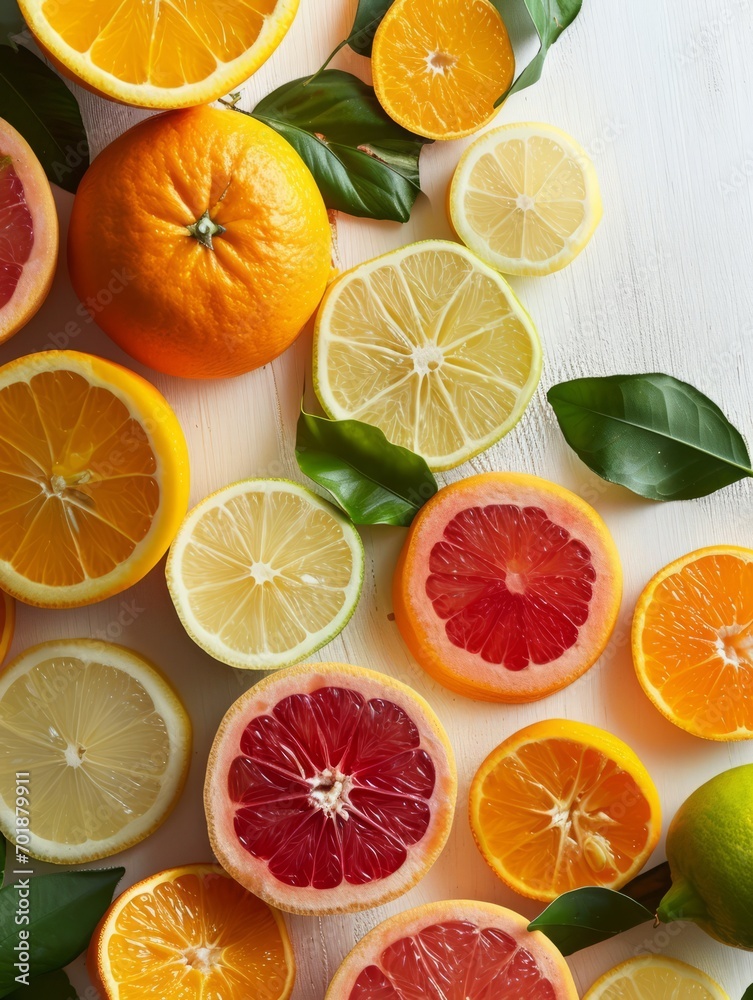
(525, 198)
(329, 788)
(454, 950)
(440, 65)
(93, 478)
(431, 346)
(105, 743)
(655, 977)
(507, 587)
(560, 805)
(191, 933)
(263, 573)
(693, 642)
(7, 622)
(156, 55)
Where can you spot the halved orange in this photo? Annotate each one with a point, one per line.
(7, 622)
(159, 55)
(440, 65)
(191, 933)
(693, 642)
(93, 478)
(560, 805)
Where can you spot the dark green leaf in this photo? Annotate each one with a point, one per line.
(550, 18)
(63, 910)
(3, 856)
(649, 888)
(373, 481)
(748, 994)
(53, 986)
(587, 916)
(38, 104)
(11, 22)
(658, 436)
(368, 18)
(364, 163)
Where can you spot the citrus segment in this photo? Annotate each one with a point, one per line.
(93, 478)
(194, 933)
(440, 65)
(655, 977)
(155, 55)
(525, 198)
(431, 346)
(7, 623)
(28, 232)
(105, 741)
(560, 805)
(455, 950)
(693, 642)
(264, 572)
(507, 587)
(329, 788)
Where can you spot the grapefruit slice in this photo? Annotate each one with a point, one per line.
(28, 232)
(330, 788)
(191, 933)
(7, 623)
(455, 950)
(507, 587)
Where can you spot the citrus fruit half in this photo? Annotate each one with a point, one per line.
(160, 55)
(200, 243)
(264, 572)
(330, 788)
(560, 805)
(458, 950)
(7, 622)
(93, 478)
(191, 933)
(655, 977)
(693, 642)
(28, 232)
(507, 587)
(431, 346)
(105, 742)
(525, 198)
(440, 65)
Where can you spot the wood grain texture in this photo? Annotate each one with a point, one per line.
(659, 94)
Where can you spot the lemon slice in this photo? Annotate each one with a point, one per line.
(525, 198)
(429, 344)
(655, 977)
(264, 572)
(96, 741)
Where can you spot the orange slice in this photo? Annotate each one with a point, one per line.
(693, 642)
(560, 805)
(7, 623)
(195, 934)
(93, 478)
(439, 65)
(160, 55)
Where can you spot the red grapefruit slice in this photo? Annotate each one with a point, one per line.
(28, 232)
(507, 587)
(329, 788)
(456, 950)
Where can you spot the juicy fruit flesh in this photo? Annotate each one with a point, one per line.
(698, 644)
(659, 982)
(199, 936)
(163, 44)
(16, 229)
(562, 815)
(331, 787)
(78, 485)
(455, 960)
(526, 198)
(94, 743)
(512, 586)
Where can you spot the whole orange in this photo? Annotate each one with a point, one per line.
(200, 243)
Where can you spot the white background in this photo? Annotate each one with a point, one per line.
(659, 93)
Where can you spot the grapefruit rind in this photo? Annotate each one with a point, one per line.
(253, 873)
(702, 986)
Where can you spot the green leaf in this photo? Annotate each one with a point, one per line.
(550, 18)
(53, 986)
(649, 888)
(364, 163)
(659, 437)
(373, 481)
(11, 22)
(63, 910)
(368, 18)
(583, 917)
(38, 104)
(748, 994)
(3, 856)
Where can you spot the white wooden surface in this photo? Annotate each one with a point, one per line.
(659, 93)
